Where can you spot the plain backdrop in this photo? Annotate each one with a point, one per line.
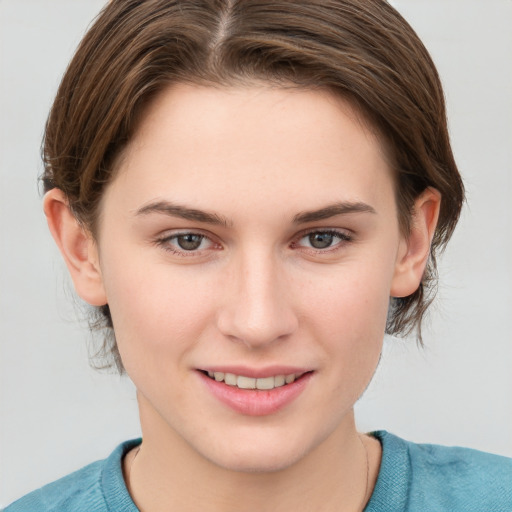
(57, 414)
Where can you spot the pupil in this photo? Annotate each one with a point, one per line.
(320, 240)
(189, 242)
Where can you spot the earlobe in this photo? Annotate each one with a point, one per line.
(415, 249)
(77, 248)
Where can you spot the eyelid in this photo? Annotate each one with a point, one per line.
(163, 240)
(346, 236)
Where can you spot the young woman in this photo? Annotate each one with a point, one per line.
(251, 194)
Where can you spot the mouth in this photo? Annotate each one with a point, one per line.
(256, 392)
(262, 383)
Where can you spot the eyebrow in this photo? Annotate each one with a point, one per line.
(176, 210)
(332, 210)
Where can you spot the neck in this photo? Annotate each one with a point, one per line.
(168, 474)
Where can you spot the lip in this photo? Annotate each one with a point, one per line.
(257, 373)
(256, 402)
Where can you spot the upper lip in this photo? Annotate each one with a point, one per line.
(257, 373)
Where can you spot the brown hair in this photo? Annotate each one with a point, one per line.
(362, 50)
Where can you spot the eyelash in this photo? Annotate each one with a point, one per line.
(342, 236)
(165, 243)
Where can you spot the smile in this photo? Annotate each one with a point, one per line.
(256, 392)
(244, 382)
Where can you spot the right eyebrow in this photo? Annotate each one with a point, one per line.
(342, 208)
(183, 212)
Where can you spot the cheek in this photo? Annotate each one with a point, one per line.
(351, 303)
(348, 318)
(155, 311)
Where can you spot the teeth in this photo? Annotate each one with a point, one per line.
(267, 383)
(279, 380)
(230, 379)
(243, 382)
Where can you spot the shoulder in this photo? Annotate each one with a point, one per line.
(473, 479)
(441, 478)
(76, 491)
(92, 489)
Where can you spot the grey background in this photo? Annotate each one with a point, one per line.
(56, 414)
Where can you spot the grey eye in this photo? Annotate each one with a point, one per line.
(321, 240)
(189, 241)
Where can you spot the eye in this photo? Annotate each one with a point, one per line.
(321, 240)
(187, 243)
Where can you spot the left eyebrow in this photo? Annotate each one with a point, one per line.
(332, 210)
(184, 212)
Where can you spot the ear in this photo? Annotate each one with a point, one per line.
(414, 249)
(77, 247)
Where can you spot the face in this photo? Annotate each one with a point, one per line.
(250, 238)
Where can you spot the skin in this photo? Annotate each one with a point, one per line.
(255, 292)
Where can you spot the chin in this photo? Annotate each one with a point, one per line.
(260, 454)
(257, 462)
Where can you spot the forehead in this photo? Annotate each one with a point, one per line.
(257, 145)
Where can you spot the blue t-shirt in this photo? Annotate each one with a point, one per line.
(412, 477)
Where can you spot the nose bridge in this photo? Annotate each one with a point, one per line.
(258, 309)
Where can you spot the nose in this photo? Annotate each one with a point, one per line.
(257, 308)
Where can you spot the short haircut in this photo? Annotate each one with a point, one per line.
(361, 50)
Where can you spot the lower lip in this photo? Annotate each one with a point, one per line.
(253, 402)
